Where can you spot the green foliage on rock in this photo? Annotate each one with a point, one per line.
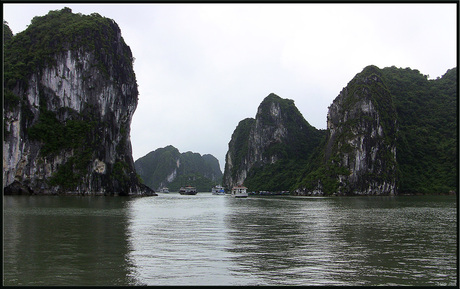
(70, 140)
(57, 136)
(7, 33)
(61, 31)
(273, 148)
(155, 166)
(240, 139)
(71, 174)
(425, 133)
(278, 176)
(120, 173)
(427, 147)
(416, 116)
(301, 137)
(197, 180)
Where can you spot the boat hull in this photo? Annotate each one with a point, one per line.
(188, 193)
(188, 190)
(240, 195)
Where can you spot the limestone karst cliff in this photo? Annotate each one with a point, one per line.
(389, 131)
(263, 149)
(361, 142)
(70, 94)
(167, 167)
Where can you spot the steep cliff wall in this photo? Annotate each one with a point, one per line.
(167, 167)
(389, 131)
(236, 163)
(362, 136)
(69, 100)
(264, 151)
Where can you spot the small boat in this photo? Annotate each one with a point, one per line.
(164, 190)
(218, 190)
(239, 192)
(188, 190)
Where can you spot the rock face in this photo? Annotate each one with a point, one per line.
(355, 156)
(279, 134)
(167, 167)
(236, 163)
(390, 131)
(67, 116)
(361, 126)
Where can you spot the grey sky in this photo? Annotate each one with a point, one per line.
(202, 68)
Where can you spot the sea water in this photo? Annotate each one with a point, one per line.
(207, 239)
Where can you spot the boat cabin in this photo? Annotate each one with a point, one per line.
(239, 192)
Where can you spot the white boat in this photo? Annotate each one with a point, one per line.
(239, 192)
(188, 190)
(164, 190)
(218, 190)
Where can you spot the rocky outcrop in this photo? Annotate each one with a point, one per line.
(362, 136)
(360, 153)
(389, 131)
(67, 119)
(278, 135)
(236, 159)
(167, 167)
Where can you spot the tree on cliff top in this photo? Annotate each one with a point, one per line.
(59, 31)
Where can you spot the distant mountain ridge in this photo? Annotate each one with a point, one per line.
(167, 167)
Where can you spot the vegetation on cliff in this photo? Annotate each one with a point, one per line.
(427, 147)
(269, 152)
(60, 31)
(359, 155)
(425, 132)
(7, 33)
(69, 80)
(240, 144)
(414, 119)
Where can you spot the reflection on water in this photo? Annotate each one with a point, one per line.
(179, 240)
(218, 240)
(215, 240)
(280, 241)
(65, 241)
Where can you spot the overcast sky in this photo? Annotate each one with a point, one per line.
(202, 68)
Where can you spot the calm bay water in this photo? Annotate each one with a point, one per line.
(218, 240)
